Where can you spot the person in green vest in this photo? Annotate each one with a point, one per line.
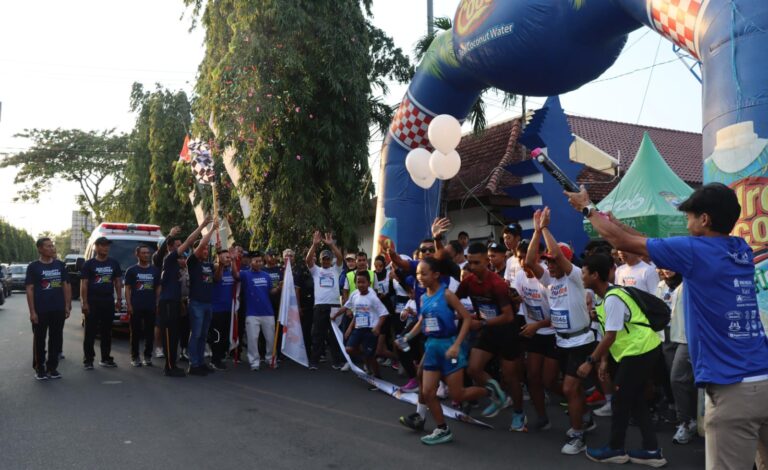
(634, 349)
(361, 261)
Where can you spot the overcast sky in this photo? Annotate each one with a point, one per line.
(71, 65)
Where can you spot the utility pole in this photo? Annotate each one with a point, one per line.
(430, 18)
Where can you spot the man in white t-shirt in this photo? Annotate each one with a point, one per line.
(326, 278)
(511, 236)
(636, 273)
(570, 319)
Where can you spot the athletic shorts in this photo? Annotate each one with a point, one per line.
(572, 358)
(364, 338)
(434, 356)
(502, 340)
(546, 345)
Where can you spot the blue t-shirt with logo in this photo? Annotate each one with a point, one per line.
(256, 286)
(143, 282)
(200, 279)
(222, 292)
(170, 277)
(726, 338)
(100, 276)
(48, 281)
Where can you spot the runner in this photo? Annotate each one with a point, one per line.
(445, 353)
(142, 284)
(570, 319)
(498, 334)
(542, 364)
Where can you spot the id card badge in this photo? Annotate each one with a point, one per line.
(431, 325)
(362, 321)
(326, 281)
(561, 319)
(535, 312)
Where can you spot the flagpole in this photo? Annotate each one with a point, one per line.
(216, 212)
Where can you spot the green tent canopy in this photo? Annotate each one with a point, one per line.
(647, 197)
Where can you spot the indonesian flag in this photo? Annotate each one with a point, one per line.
(293, 336)
(184, 154)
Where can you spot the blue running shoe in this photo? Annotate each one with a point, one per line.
(519, 422)
(607, 455)
(652, 458)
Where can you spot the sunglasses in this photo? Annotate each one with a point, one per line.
(427, 250)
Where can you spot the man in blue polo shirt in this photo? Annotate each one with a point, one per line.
(726, 339)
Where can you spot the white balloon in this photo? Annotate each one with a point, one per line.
(445, 166)
(444, 133)
(417, 163)
(425, 183)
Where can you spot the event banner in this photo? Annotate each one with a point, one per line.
(394, 390)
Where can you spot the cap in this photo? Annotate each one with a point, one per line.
(514, 229)
(497, 248)
(326, 254)
(350, 256)
(103, 241)
(564, 248)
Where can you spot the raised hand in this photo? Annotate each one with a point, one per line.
(328, 240)
(537, 220)
(545, 214)
(316, 238)
(440, 226)
(578, 200)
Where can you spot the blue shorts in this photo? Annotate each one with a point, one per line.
(434, 356)
(364, 338)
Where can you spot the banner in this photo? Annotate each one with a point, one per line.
(293, 337)
(394, 390)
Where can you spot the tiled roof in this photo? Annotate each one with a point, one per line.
(484, 156)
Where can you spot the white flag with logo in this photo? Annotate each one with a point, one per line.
(293, 336)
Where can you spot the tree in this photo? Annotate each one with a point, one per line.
(290, 85)
(17, 245)
(476, 114)
(92, 159)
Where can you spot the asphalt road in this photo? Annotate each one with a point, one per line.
(289, 418)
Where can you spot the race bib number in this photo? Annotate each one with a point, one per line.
(488, 312)
(362, 320)
(535, 313)
(431, 325)
(399, 307)
(561, 319)
(326, 281)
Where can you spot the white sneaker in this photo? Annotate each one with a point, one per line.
(685, 432)
(159, 353)
(575, 445)
(256, 366)
(345, 367)
(604, 410)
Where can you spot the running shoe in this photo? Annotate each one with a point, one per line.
(345, 367)
(607, 455)
(147, 362)
(54, 374)
(542, 424)
(507, 402)
(256, 366)
(604, 410)
(159, 353)
(209, 368)
(574, 445)
(88, 365)
(108, 362)
(589, 426)
(498, 398)
(218, 365)
(685, 432)
(651, 458)
(413, 421)
(438, 436)
(183, 355)
(395, 365)
(411, 386)
(596, 399)
(313, 367)
(41, 375)
(519, 423)
(136, 362)
(337, 366)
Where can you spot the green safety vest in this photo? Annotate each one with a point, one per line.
(636, 337)
(351, 279)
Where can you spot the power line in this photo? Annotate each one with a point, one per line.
(648, 85)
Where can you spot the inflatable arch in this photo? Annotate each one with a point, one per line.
(549, 47)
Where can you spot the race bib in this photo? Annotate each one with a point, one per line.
(535, 313)
(487, 312)
(362, 320)
(431, 325)
(399, 307)
(561, 319)
(326, 281)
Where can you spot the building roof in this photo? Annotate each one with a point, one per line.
(485, 155)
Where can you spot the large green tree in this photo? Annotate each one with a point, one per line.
(17, 244)
(92, 159)
(296, 87)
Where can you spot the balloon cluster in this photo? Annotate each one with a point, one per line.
(444, 163)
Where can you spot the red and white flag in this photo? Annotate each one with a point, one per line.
(184, 154)
(293, 336)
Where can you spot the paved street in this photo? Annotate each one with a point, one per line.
(290, 418)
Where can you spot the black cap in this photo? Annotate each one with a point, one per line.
(514, 229)
(497, 248)
(103, 241)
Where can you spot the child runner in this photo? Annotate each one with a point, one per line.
(444, 356)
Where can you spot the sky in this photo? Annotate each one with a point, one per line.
(71, 65)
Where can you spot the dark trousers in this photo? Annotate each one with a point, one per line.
(101, 313)
(52, 325)
(168, 321)
(142, 327)
(632, 374)
(322, 335)
(218, 337)
(183, 324)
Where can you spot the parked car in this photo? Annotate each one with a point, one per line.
(18, 276)
(5, 280)
(125, 238)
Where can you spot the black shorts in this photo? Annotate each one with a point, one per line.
(502, 341)
(546, 345)
(572, 358)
